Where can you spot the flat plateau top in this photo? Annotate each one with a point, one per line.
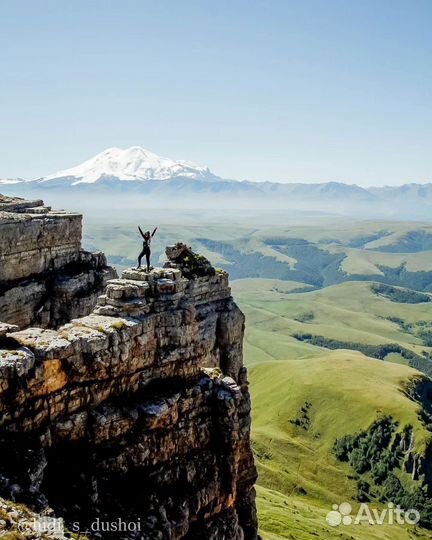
(17, 209)
(18, 202)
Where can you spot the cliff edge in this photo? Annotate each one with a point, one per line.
(45, 277)
(138, 412)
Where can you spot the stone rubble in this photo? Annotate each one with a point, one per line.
(19, 523)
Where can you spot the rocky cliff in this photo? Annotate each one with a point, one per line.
(45, 277)
(138, 413)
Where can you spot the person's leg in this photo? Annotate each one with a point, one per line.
(148, 260)
(140, 256)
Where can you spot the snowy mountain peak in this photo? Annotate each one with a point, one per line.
(134, 163)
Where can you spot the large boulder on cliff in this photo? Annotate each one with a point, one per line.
(190, 263)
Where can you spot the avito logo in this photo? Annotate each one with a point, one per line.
(341, 514)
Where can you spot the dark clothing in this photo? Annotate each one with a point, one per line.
(146, 248)
(145, 251)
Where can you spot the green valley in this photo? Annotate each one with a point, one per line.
(324, 252)
(306, 396)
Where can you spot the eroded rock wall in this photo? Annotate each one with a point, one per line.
(46, 279)
(139, 411)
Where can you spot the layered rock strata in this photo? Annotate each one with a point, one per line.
(138, 412)
(45, 277)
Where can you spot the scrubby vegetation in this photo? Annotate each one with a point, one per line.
(302, 419)
(315, 265)
(402, 296)
(370, 450)
(410, 242)
(253, 264)
(377, 455)
(421, 329)
(426, 335)
(119, 325)
(306, 317)
(375, 351)
(192, 264)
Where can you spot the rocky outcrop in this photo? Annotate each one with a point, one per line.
(19, 523)
(45, 277)
(138, 412)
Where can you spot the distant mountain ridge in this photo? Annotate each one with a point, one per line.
(139, 172)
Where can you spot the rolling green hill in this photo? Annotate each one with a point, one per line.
(306, 396)
(299, 476)
(348, 312)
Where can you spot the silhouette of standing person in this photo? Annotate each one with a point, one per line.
(146, 247)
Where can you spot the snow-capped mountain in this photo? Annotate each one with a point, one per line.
(132, 164)
(137, 176)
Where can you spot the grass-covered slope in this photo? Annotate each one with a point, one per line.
(350, 312)
(300, 409)
(307, 396)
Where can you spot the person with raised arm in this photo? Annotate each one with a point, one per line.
(146, 247)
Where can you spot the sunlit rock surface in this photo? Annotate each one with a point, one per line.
(45, 277)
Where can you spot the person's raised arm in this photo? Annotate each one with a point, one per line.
(142, 234)
(153, 233)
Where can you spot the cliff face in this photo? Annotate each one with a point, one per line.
(45, 277)
(139, 411)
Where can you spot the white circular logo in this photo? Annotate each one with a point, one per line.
(339, 514)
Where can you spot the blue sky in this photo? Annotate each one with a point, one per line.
(310, 90)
